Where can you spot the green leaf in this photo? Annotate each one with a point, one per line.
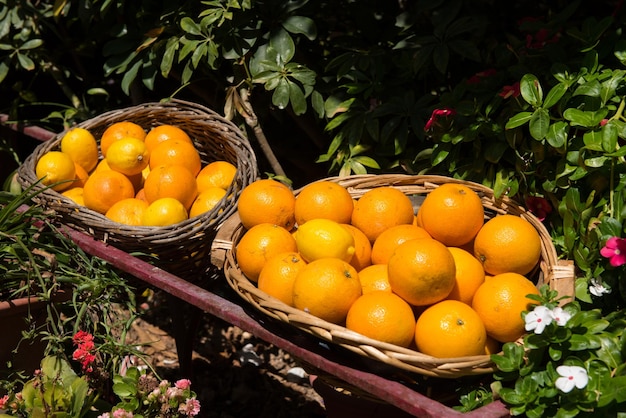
(587, 119)
(317, 101)
(124, 389)
(190, 26)
(593, 140)
(557, 134)
(25, 62)
(280, 97)
(284, 46)
(31, 44)
(518, 120)
(539, 124)
(531, 91)
(302, 25)
(554, 95)
(296, 97)
(130, 76)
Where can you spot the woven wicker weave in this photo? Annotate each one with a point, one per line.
(181, 248)
(559, 275)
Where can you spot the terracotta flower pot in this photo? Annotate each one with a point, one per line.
(27, 354)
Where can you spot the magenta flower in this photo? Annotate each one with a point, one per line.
(510, 91)
(539, 206)
(437, 113)
(615, 251)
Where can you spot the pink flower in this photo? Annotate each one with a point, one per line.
(615, 251)
(191, 408)
(538, 206)
(478, 77)
(183, 384)
(436, 114)
(121, 413)
(3, 401)
(510, 91)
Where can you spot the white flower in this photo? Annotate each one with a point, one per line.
(571, 376)
(538, 319)
(560, 316)
(597, 288)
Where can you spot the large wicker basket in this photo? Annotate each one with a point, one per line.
(559, 275)
(182, 248)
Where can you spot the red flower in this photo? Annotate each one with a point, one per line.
(436, 114)
(538, 206)
(510, 91)
(477, 78)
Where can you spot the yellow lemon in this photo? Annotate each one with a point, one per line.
(164, 211)
(75, 194)
(322, 238)
(82, 147)
(129, 156)
(56, 168)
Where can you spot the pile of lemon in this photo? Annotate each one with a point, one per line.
(136, 177)
(443, 280)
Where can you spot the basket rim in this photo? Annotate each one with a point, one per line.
(246, 173)
(551, 269)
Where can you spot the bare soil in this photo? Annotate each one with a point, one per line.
(234, 373)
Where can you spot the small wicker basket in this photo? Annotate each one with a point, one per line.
(182, 248)
(558, 274)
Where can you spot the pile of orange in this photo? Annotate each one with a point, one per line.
(443, 279)
(136, 177)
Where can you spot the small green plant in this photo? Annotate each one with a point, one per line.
(572, 363)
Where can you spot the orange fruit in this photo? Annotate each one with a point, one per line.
(450, 329)
(278, 274)
(56, 169)
(422, 271)
(164, 211)
(81, 146)
(127, 211)
(206, 201)
(128, 156)
(492, 346)
(323, 238)
(141, 195)
(102, 165)
(389, 240)
(452, 214)
(381, 208)
(326, 288)
(383, 316)
(81, 175)
(508, 243)
(75, 194)
(119, 130)
(324, 199)
(103, 188)
(161, 133)
(469, 275)
(176, 152)
(374, 277)
(171, 181)
(258, 244)
(266, 201)
(216, 174)
(500, 302)
(362, 256)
